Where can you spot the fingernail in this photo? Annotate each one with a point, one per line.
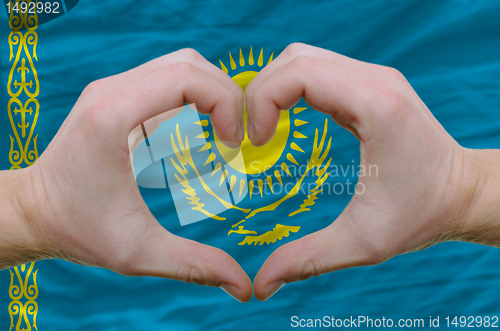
(272, 288)
(232, 290)
(251, 129)
(241, 131)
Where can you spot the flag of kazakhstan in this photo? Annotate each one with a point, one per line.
(251, 200)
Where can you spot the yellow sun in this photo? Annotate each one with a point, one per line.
(256, 160)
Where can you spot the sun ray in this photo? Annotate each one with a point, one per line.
(203, 135)
(297, 110)
(270, 183)
(217, 168)
(206, 147)
(291, 158)
(250, 187)
(233, 181)
(223, 177)
(270, 58)
(297, 134)
(242, 186)
(261, 186)
(250, 57)
(202, 123)
(299, 122)
(223, 67)
(242, 60)
(296, 147)
(260, 61)
(285, 168)
(210, 158)
(233, 64)
(278, 176)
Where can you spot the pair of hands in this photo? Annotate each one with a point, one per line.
(80, 201)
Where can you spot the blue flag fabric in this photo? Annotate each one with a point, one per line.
(448, 50)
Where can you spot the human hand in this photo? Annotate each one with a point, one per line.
(81, 203)
(426, 182)
(81, 200)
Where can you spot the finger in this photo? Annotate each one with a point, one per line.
(168, 256)
(183, 55)
(333, 248)
(326, 87)
(147, 128)
(298, 49)
(121, 111)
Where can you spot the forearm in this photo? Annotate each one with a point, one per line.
(17, 241)
(481, 223)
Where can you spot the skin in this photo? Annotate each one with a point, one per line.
(429, 189)
(80, 201)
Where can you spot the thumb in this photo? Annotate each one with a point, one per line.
(333, 248)
(165, 255)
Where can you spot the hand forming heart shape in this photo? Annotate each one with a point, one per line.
(425, 192)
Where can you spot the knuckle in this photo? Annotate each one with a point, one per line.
(194, 276)
(189, 54)
(181, 69)
(93, 88)
(295, 49)
(194, 271)
(390, 99)
(98, 111)
(310, 269)
(393, 74)
(304, 63)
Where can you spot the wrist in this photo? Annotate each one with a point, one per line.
(19, 244)
(480, 221)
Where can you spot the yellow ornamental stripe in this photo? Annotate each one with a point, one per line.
(22, 110)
